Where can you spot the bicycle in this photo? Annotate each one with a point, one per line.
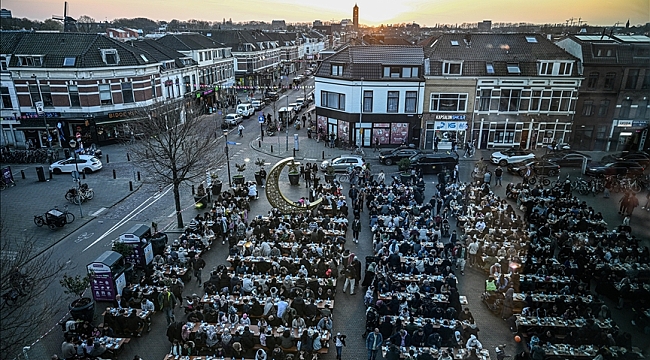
(545, 181)
(343, 178)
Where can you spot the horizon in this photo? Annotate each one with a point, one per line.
(423, 12)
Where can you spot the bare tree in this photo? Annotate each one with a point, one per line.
(22, 317)
(85, 23)
(179, 145)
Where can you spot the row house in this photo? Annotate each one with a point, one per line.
(257, 56)
(313, 43)
(499, 90)
(215, 79)
(291, 51)
(89, 84)
(613, 110)
(371, 94)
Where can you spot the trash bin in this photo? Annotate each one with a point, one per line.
(66, 153)
(40, 173)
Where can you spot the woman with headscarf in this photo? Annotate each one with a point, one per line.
(226, 338)
(260, 355)
(508, 304)
(370, 275)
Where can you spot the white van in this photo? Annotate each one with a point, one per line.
(245, 110)
(301, 102)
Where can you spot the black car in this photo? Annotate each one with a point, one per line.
(566, 158)
(539, 167)
(271, 96)
(433, 163)
(638, 157)
(615, 168)
(393, 156)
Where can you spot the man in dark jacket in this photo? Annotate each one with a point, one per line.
(167, 302)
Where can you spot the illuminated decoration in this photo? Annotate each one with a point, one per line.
(275, 196)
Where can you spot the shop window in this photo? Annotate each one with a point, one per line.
(73, 93)
(392, 103)
(411, 101)
(105, 96)
(6, 98)
(127, 93)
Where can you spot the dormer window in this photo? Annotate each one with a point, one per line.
(337, 70)
(30, 61)
(452, 68)
(110, 56)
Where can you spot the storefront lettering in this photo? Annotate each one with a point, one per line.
(121, 114)
(450, 117)
(33, 115)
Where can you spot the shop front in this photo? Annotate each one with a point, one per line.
(629, 135)
(447, 129)
(36, 133)
(525, 132)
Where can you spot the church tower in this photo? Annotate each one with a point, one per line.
(355, 16)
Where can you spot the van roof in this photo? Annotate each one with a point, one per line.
(243, 104)
(284, 108)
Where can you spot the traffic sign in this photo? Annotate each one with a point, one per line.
(261, 119)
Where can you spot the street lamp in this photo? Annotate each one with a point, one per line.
(225, 135)
(73, 145)
(360, 139)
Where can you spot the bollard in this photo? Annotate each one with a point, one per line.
(130, 185)
(271, 148)
(259, 144)
(294, 152)
(83, 174)
(192, 189)
(107, 160)
(138, 176)
(22, 174)
(128, 157)
(50, 174)
(114, 175)
(323, 154)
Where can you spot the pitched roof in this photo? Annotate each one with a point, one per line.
(9, 40)
(85, 48)
(238, 38)
(189, 42)
(598, 49)
(158, 51)
(368, 61)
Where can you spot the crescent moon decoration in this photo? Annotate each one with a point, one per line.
(275, 196)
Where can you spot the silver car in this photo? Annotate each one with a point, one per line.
(343, 162)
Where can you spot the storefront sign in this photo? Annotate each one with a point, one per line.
(625, 123)
(450, 117)
(33, 115)
(639, 123)
(451, 125)
(121, 114)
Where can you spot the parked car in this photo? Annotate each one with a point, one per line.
(85, 163)
(296, 107)
(639, 157)
(393, 156)
(433, 163)
(301, 102)
(512, 155)
(271, 96)
(539, 167)
(615, 168)
(233, 119)
(566, 158)
(343, 162)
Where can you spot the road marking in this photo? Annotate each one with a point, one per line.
(131, 215)
(84, 236)
(8, 255)
(98, 212)
(172, 214)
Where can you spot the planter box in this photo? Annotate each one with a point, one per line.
(405, 178)
(238, 179)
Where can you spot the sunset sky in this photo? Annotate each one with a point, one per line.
(371, 12)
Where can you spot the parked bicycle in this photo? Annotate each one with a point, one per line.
(77, 196)
(54, 218)
(545, 181)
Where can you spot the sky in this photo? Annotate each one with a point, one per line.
(371, 12)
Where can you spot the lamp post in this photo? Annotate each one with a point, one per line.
(359, 141)
(225, 135)
(287, 122)
(38, 112)
(73, 145)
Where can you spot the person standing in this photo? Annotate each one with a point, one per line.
(435, 144)
(199, 264)
(263, 177)
(487, 177)
(624, 200)
(167, 302)
(472, 250)
(339, 343)
(356, 229)
(632, 203)
(498, 175)
(376, 144)
(374, 340)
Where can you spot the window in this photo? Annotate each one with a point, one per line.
(646, 80)
(632, 78)
(337, 70)
(454, 43)
(560, 100)
(127, 93)
(489, 67)
(34, 94)
(588, 108)
(392, 103)
(592, 81)
(609, 81)
(105, 96)
(3, 63)
(451, 102)
(535, 100)
(367, 101)
(404, 72)
(201, 56)
(643, 112)
(452, 68)
(484, 100)
(6, 98)
(411, 101)
(110, 56)
(69, 61)
(154, 93)
(332, 100)
(565, 69)
(144, 58)
(603, 108)
(30, 61)
(624, 113)
(531, 39)
(509, 100)
(546, 68)
(513, 69)
(73, 92)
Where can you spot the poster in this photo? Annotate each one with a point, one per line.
(321, 124)
(120, 283)
(381, 132)
(399, 133)
(148, 254)
(7, 176)
(343, 131)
